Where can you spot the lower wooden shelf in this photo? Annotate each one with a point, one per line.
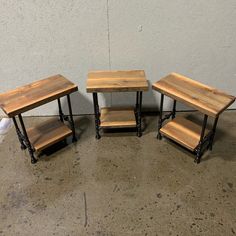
(183, 131)
(113, 117)
(47, 133)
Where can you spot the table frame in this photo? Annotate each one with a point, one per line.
(206, 141)
(138, 113)
(23, 136)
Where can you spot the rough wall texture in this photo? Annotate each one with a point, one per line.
(42, 38)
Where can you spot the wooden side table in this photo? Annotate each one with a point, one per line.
(117, 81)
(25, 98)
(209, 101)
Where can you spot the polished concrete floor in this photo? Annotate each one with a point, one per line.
(119, 185)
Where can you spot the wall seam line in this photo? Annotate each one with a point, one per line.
(108, 39)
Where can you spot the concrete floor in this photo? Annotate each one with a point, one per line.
(120, 185)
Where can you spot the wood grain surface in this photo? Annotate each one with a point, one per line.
(208, 100)
(45, 134)
(35, 94)
(113, 117)
(183, 131)
(116, 81)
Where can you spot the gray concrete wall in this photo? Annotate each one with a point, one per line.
(40, 38)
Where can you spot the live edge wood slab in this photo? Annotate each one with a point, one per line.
(35, 94)
(206, 99)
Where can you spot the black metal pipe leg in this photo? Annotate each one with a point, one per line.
(200, 145)
(139, 114)
(213, 133)
(74, 139)
(27, 142)
(160, 117)
(61, 115)
(137, 102)
(173, 110)
(198, 155)
(97, 115)
(19, 134)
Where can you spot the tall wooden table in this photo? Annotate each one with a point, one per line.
(117, 81)
(25, 98)
(209, 101)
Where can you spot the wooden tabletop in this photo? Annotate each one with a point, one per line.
(35, 94)
(116, 81)
(208, 100)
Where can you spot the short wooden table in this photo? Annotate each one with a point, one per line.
(25, 98)
(209, 101)
(117, 81)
